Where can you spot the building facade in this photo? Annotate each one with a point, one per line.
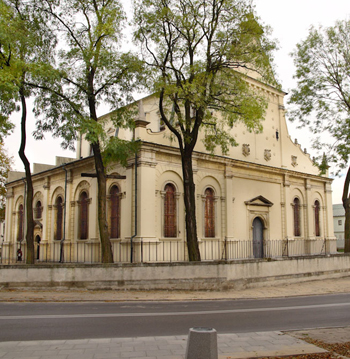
(338, 224)
(264, 198)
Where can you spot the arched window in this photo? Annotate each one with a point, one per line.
(59, 218)
(317, 219)
(170, 219)
(209, 213)
(297, 227)
(20, 218)
(38, 210)
(115, 212)
(83, 215)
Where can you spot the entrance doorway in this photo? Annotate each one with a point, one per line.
(258, 238)
(37, 240)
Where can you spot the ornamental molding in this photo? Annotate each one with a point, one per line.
(246, 149)
(267, 155)
(294, 161)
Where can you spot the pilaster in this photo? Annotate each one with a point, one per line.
(287, 210)
(229, 228)
(45, 213)
(9, 218)
(309, 219)
(146, 177)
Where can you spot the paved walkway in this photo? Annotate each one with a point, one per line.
(315, 287)
(247, 345)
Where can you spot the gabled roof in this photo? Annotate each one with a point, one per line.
(259, 201)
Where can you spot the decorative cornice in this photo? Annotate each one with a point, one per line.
(141, 123)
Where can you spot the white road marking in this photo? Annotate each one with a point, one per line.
(206, 312)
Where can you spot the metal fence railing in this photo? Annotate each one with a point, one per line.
(141, 251)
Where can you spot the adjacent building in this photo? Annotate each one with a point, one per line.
(339, 223)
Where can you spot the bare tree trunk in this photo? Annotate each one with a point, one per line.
(190, 206)
(346, 205)
(29, 199)
(106, 247)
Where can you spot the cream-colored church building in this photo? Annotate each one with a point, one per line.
(265, 198)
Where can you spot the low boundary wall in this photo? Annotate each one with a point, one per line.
(176, 276)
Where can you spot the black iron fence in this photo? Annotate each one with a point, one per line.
(165, 251)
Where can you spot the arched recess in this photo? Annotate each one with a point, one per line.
(20, 223)
(82, 186)
(258, 228)
(318, 211)
(170, 211)
(38, 205)
(57, 203)
(170, 206)
(297, 219)
(16, 232)
(37, 244)
(58, 218)
(114, 210)
(259, 207)
(83, 204)
(81, 212)
(209, 208)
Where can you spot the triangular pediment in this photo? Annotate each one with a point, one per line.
(259, 201)
(37, 224)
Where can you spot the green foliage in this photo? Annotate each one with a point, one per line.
(321, 100)
(5, 167)
(115, 149)
(25, 50)
(200, 53)
(118, 150)
(90, 68)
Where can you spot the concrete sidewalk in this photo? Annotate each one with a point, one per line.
(247, 345)
(314, 287)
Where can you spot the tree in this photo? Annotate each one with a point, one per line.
(200, 53)
(90, 69)
(5, 167)
(24, 45)
(321, 99)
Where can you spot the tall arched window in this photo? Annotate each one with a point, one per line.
(20, 218)
(115, 212)
(83, 215)
(38, 210)
(297, 227)
(59, 218)
(170, 219)
(209, 213)
(317, 219)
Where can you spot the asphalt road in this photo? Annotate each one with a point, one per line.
(38, 321)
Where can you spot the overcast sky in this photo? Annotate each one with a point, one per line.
(290, 21)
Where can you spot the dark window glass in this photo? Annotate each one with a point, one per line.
(38, 210)
(59, 218)
(209, 215)
(170, 211)
(115, 212)
(20, 218)
(317, 219)
(297, 231)
(83, 201)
